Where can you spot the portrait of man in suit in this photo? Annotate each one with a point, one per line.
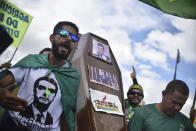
(103, 78)
(45, 90)
(101, 51)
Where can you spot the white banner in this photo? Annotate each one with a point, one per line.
(106, 102)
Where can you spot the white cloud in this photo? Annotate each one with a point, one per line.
(152, 89)
(126, 14)
(144, 66)
(188, 28)
(169, 43)
(151, 74)
(192, 80)
(127, 81)
(153, 85)
(120, 44)
(146, 53)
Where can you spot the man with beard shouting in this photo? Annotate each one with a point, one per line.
(56, 84)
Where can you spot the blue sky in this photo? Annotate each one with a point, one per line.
(143, 35)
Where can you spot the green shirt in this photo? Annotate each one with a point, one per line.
(148, 118)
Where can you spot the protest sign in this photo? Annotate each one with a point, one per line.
(14, 20)
(106, 102)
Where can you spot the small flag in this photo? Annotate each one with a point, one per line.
(178, 56)
(47, 93)
(181, 8)
(104, 99)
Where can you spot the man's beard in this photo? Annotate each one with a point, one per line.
(133, 103)
(41, 106)
(56, 52)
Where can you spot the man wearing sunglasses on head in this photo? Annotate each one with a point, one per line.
(134, 97)
(54, 65)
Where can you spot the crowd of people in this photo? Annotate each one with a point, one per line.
(49, 86)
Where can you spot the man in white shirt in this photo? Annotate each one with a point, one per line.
(52, 100)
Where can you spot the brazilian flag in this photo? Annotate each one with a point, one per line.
(181, 8)
(178, 56)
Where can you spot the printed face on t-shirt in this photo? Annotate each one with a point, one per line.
(43, 96)
(45, 92)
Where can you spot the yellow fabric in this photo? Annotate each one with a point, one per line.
(136, 87)
(194, 122)
(2, 110)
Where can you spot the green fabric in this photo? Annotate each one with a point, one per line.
(178, 55)
(3, 73)
(68, 79)
(130, 108)
(181, 8)
(128, 105)
(148, 118)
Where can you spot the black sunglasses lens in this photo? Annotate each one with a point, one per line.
(74, 37)
(138, 93)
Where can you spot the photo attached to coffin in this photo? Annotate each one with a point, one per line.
(105, 102)
(101, 51)
(103, 77)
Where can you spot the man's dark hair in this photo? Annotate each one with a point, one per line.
(177, 85)
(50, 80)
(62, 23)
(45, 49)
(99, 44)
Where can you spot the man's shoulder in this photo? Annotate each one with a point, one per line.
(146, 109)
(185, 120)
(181, 116)
(32, 56)
(32, 60)
(148, 106)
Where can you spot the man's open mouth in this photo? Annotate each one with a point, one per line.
(43, 99)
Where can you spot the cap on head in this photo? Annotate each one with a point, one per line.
(136, 86)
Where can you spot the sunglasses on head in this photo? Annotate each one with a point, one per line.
(133, 93)
(65, 33)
